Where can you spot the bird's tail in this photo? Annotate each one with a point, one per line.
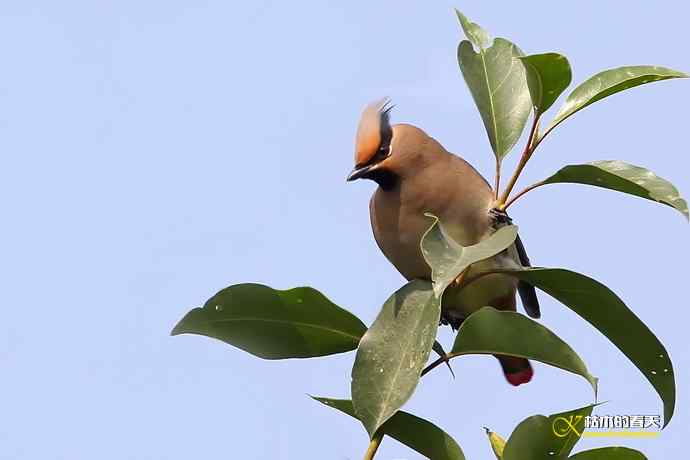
(516, 370)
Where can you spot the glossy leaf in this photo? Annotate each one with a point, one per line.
(548, 75)
(541, 437)
(609, 453)
(604, 310)
(416, 433)
(623, 177)
(393, 352)
(273, 324)
(447, 258)
(610, 82)
(490, 331)
(498, 86)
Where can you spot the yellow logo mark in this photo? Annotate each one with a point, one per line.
(563, 426)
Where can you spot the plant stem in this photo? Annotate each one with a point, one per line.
(526, 154)
(436, 363)
(546, 133)
(522, 192)
(374, 445)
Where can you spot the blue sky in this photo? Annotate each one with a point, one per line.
(155, 152)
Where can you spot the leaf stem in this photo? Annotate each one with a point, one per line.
(522, 192)
(373, 445)
(438, 362)
(526, 154)
(442, 359)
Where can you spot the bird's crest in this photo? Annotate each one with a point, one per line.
(374, 132)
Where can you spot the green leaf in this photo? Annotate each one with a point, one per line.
(489, 331)
(447, 258)
(393, 352)
(623, 177)
(541, 437)
(273, 324)
(478, 36)
(604, 310)
(548, 75)
(498, 86)
(610, 82)
(416, 433)
(609, 453)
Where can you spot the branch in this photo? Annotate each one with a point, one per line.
(522, 192)
(438, 362)
(526, 154)
(373, 445)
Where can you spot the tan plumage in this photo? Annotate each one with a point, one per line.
(416, 174)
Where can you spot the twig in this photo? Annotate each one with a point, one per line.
(526, 154)
(522, 192)
(374, 445)
(438, 362)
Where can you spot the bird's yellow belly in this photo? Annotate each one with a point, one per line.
(494, 290)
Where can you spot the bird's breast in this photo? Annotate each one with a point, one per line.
(398, 223)
(398, 231)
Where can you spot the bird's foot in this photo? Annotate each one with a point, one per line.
(500, 217)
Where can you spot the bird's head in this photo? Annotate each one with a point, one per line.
(373, 142)
(385, 153)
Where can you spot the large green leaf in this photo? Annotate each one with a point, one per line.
(497, 83)
(447, 258)
(548, 75)
(622, 177)
(489, 331)
(604, 310)
(393, 352)
(540, 437)
(610, 82)
(273, 324)
(609, 453)
(416, 433)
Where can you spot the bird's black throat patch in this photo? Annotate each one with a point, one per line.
(386, 179)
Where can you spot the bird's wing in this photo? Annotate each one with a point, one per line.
(528, 295)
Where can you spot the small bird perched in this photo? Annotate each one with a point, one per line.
(416, 175)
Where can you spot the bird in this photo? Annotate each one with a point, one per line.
(415, 175)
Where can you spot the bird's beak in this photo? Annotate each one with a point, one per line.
(360, 172)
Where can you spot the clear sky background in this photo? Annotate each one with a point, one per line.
(156, 152)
